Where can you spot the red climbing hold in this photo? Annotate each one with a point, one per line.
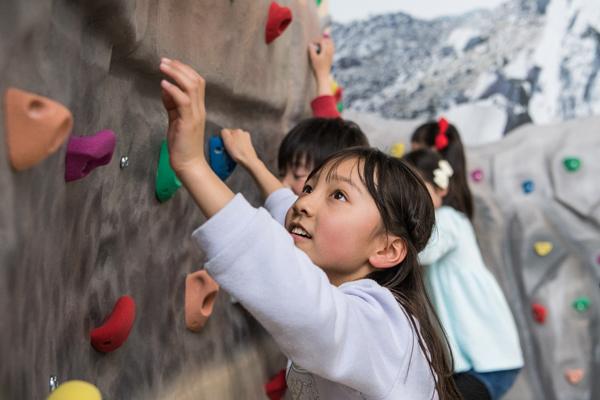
(278, 20)
(200, 294)
(85, 153)
(539, 313)
(275, 388)
(115, 329)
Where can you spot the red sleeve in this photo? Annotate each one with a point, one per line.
(324, 107)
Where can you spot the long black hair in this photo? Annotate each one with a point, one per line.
(406, 211)
(459, 195)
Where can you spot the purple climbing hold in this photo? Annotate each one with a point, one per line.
(85, 153)
(477, 175)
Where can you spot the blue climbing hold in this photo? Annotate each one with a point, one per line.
(220, 161)
(528, 186)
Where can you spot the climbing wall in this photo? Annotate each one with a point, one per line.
(538, 222)
(83, 226)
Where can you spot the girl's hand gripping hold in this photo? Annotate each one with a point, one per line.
(321, 62)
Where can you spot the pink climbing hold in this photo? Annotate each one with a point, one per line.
(539, 313)
(85, 153)
(278, 20)
(477, 175)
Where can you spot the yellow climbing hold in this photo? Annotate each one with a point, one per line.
(76, 390)
(542, 249)
(333, 85)
(397, 150)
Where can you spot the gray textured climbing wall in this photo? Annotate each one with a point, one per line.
(538, 225)
(68, 251)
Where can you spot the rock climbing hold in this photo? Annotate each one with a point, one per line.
(574, 375)
(542, 249)
(278, 20)
(115, 329)
(477, 175)
(340, 107)
(35, 127)
(528, 186)
(220, 161)
(572, 164)
(539, 313)
(276, 387)
(53, 383)
(318, 3)
(124, 163)
(85, 153)
(397, 150)
(76, 390)
(582, 304)
(166, 180)
(200, 294)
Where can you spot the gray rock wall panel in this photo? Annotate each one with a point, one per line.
(68, 251)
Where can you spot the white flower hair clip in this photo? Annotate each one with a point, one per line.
(442, 174)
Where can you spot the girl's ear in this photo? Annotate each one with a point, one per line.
(390, 251)
(441, 192)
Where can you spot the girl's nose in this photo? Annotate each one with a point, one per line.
(305, 204)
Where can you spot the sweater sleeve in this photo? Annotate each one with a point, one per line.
(443, 238)
(325, 107)
(279, 202)
(355, 334)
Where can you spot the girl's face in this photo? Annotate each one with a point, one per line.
(295, 178)
(335, 222)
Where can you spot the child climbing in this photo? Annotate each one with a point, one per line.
(471, 306)
(336, 279)
(443, 137)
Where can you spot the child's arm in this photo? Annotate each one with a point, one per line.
(184, 102)
(239, 146)
(324, 104)
(443, 239)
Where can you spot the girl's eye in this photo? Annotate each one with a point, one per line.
(338, 195)
(307, 189)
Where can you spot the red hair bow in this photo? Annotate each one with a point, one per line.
(441, 139)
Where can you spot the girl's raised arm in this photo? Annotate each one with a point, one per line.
(184, 102)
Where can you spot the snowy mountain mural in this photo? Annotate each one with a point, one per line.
(525, 61)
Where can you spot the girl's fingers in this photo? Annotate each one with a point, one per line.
(192, 83)
(175, 99)
(171, 70)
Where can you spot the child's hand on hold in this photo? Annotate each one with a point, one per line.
(321, 60)
(238, 144)
(184, 102)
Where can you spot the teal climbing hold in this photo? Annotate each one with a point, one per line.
(582, 304)
(318, 3)
(166, 180)
(572, 164)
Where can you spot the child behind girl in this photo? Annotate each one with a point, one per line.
(470, 304)
(336, 281)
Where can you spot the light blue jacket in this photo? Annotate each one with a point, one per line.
(470, 304)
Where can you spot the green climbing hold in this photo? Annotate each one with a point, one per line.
(318, 3)
(582, 304)
(572, 164)
(340, 107)
(166, 180)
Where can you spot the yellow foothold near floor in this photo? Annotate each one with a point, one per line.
(542, 249)
(76, 390)
(397, 150)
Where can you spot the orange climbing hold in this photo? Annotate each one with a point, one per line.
(574, 376)
(539, 313)
(200, 294)
(115, 330)
(278, 20)
(36, 127)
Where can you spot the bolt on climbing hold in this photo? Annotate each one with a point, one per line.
(220, 161)
(582, 304)
(86, 153)
(36, 127)
(574, 375)
(277, 21)
(397, 150)
(76, 390)
(53, 383)
(200, 294)
(124, 163)
(166, 181)
(542, 249)
(477, 175)
(539, 313)
(528, 186)
(572, 164)
(116, 328)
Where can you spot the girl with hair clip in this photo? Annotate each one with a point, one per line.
(478, 323)
(335, 279)
(444, 138)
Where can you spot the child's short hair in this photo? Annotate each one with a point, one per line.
(425, 161)
(314, 139)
